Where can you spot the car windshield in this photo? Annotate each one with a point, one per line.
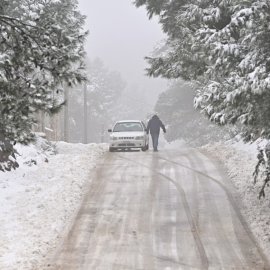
(128, 126)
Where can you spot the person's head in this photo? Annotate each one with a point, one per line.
(155, 115)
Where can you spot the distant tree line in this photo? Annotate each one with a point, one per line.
(97, 106)
(175, 107)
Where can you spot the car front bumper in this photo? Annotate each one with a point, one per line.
(127, 144)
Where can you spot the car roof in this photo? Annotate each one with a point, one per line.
(130, 121)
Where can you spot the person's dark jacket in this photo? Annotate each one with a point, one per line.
(154, 125)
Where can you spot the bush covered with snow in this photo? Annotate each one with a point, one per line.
(262, 169)
(7, 156)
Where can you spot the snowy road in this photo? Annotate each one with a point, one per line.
(165, 210)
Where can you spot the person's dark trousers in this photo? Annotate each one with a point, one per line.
(155, 140)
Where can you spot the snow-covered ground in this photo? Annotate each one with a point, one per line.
(239, 160)
(40, 198)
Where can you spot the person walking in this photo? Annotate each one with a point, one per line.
(154, 126)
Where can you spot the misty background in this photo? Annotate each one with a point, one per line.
(120, 37)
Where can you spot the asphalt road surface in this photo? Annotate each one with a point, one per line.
(165, 210)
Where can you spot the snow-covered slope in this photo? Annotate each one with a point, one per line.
(40, 198)
(239, 160)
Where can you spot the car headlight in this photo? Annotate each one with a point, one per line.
(114, 138)
(139, 138)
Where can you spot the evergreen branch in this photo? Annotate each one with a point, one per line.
(262, 191)
(16, 27)
(3, 17)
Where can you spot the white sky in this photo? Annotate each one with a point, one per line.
(121, 35)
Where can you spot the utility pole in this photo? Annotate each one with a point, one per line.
(85, 124)
(102, 133)
(66, 116)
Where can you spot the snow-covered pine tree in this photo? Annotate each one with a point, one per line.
(238, 70)
(41, 49)
(222, 46)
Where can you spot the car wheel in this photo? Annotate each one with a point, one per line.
(111, 149)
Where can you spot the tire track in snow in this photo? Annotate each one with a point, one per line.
(233, 203)
(193, 228)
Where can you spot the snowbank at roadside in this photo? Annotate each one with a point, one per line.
(240, 160)
(40, 198)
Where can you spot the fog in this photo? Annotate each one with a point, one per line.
(121, 35)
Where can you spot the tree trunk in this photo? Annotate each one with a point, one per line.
(42, 122)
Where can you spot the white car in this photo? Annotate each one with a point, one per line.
(128, 134)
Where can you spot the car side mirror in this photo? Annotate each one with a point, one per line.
(109, 130)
